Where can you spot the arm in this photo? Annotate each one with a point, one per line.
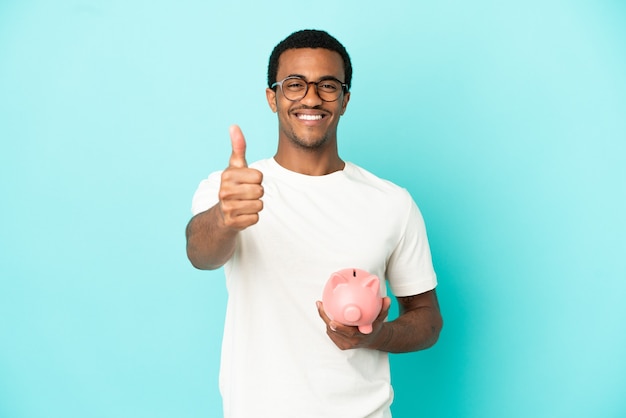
(212, 234)
(416, 328)
(210, 243)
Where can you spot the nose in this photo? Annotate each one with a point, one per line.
(311, 98)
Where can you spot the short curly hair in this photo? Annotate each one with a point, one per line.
(309, 38)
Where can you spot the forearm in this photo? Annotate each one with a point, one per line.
(413, 330)
(210, 244)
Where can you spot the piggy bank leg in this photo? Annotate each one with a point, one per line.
(365, 329)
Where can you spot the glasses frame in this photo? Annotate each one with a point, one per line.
(344, 87)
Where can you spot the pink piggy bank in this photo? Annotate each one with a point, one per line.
(352, 297)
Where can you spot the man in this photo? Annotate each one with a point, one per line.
(282, 226)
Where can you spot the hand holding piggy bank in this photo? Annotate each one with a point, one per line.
(352, 297)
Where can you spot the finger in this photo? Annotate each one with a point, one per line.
(345, 331)
(238, 142)
(241, 194)
(235, 177)
(235, 208)
(241, 222)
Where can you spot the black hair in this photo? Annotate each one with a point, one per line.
(309, 38)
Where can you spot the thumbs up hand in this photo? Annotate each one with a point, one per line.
(240, 189)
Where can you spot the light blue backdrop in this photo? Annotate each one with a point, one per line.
(506, 121)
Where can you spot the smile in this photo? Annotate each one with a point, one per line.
(303, 116)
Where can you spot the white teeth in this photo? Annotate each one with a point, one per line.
(310, 117)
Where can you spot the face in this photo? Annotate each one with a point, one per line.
(310, 122)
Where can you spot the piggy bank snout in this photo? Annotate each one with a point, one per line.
(352, 313)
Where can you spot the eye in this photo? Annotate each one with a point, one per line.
(328, 86)
(294, 84)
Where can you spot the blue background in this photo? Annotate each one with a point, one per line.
(505, 120)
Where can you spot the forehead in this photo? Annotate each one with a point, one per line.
(312, 63)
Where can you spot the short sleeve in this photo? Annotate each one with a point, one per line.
(206, 195)
(410, 269)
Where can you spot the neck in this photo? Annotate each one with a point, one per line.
(309, 162)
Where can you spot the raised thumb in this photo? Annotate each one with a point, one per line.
(238, 142)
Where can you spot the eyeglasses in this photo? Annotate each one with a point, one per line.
(295, 88)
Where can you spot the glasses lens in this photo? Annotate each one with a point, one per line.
(329, 90)
(294, 88)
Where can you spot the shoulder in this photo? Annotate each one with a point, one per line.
(377, 185)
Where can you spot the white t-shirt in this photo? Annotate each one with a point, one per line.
(277, 360)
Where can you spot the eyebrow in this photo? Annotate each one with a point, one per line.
(324, 77)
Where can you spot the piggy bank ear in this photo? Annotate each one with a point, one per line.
(372, 283)
(337, 279)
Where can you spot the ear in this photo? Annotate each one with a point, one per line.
(344, 104)
(372, 283)
(271, 99)
(336, 280)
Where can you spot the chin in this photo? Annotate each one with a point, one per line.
(309, 143)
